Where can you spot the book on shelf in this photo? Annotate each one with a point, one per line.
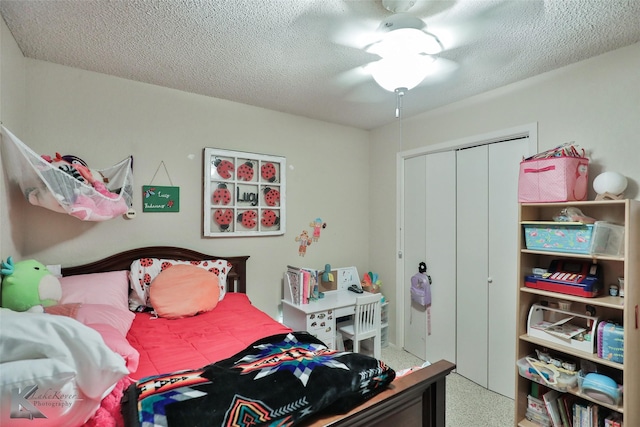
(564, 414)
(567, 400)
(588, 415)
(550, 399)
(578, 418)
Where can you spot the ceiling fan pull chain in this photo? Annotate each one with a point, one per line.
(399, 94)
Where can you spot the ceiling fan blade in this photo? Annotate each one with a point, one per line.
(357, 85)
(358, 35)
(480, 22)
(443, 69)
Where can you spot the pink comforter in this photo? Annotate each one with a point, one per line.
(169, 345)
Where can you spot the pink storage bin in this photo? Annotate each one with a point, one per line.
(554, 179)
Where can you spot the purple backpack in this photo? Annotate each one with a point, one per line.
(421, 289)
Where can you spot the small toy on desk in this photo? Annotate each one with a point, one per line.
(371, 283)
(327, 276)
(28, 286)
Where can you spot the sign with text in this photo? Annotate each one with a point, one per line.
(156, 198)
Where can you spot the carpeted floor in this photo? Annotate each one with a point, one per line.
(468, 404)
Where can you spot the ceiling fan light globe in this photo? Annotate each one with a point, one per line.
(406, 41)
(411, 41)
(401, 72)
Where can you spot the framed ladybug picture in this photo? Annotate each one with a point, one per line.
(244, 194)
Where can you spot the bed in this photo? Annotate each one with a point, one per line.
(417, 399)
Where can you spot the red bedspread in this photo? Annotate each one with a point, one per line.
(193, 342)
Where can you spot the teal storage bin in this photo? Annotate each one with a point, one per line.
(572, 238)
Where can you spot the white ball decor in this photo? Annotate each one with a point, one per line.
(610, 183)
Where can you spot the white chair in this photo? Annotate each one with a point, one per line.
(364, 324)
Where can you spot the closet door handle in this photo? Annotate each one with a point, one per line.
(489, 280)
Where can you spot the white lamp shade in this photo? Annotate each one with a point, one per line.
(610, 182)
(401, 72)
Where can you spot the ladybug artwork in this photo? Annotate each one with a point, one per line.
(248, 219)
(223, 218)
(269, 218)
(224, 168)
(271, 196)
(245, 171)
(222, 195)
(268, 172)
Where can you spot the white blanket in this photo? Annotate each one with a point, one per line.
(53, 369)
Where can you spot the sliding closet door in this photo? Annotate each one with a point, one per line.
(429, 230)
(504, 163)
(487, 277)
(472, 265)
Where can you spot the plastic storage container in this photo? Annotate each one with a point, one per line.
(559, 237)
(608, 239)
(546, 374)
(600, 387)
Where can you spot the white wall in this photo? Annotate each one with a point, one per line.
(595, 103)
(104, 119)
(12, 114)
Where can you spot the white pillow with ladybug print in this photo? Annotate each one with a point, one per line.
(144, 270)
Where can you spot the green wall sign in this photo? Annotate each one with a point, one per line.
(156, 198)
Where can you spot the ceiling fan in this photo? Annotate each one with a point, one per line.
(406, 53)
(403, 53)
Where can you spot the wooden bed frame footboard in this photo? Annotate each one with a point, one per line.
(415, 400)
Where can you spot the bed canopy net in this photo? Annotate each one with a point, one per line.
(65, 184)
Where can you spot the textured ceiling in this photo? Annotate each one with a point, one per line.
(305, 57)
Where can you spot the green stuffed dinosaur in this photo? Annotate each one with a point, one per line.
(28, 286)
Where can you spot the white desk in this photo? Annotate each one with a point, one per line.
(319, 317)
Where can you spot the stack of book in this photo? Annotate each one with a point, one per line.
(301, 285)
(537, 412)
(551, 408)
(588, 415)
(560, 408)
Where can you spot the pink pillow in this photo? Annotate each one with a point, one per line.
(144, 270)
(119, 319)
(117, 343)
(111, 288)
(183, 291)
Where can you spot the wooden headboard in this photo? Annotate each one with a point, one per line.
(236, 279)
